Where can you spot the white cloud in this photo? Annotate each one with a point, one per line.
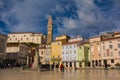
(69, 23)
(90, 20)
(28, 14)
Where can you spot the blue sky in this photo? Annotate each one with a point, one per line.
(72, 17)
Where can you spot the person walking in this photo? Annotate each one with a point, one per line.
(106, 66)
(61, 67)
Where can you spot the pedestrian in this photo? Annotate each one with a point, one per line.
(105, 64)
(61, 67)
(93, 66)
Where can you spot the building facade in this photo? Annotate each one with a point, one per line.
(56, 53)
(69, 54)
(95, 50)
(44, 53)
(110, 47)
(3, 43)
(63, 38)
(26, 37)
(84, 55)
(16, 53)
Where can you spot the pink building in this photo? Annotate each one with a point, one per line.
(110, 48)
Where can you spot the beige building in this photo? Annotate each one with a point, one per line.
(44, 53)
(3, 43)
(95, 51)
(105, 48)
(110, 48)
(26, 37)
(17, 53)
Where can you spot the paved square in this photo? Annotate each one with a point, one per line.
(17, 74)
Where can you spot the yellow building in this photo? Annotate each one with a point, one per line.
(63, 38)
(56, 53)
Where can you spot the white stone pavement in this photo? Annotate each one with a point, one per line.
(18, 74)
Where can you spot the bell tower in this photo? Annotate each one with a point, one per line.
(50, 30)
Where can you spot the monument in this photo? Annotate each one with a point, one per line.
(35, 65)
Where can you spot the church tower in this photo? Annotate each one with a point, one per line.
(50, 30)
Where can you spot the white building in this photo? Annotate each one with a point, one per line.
(26, 37)
(17, 53)
(3, 43)
(69, 54)
(78, 38)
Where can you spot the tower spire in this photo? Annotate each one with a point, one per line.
(50, 20)
(50, 30)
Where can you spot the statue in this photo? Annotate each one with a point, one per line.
(35, 65)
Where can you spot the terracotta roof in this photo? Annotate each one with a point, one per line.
(111, 38)
(67, 43)
(117, 33)
(62, 36)
(94, 37)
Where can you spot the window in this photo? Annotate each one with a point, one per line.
(74, 51)
(104, 54)
(1, 49)
(27, 38)
(118, 40)
(99, 54)
(110, 46)
(118, 45)
(103, 43)
(91, 45)
(103, 47)
(112, 60)
(119, 53)
(41, 57)
(110, 41)
(97, 43)
(111, 54)
(24, 35)
(42, 53)
(53, 56)
(70, 52)
(108, 54)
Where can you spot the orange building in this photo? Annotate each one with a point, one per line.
(95, 50)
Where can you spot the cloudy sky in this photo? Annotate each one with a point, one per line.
(72, 17)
